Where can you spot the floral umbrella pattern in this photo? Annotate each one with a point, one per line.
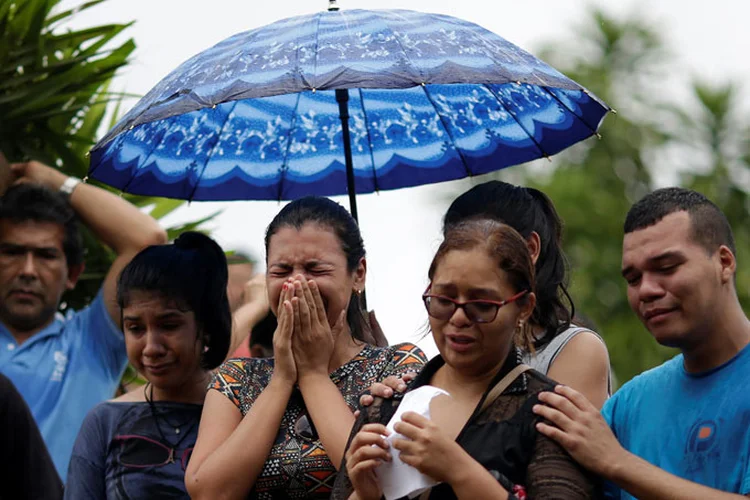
(256, 116)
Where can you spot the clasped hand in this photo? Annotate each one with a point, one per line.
(304, 340)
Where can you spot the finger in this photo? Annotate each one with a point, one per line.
(410, 458)
(283, 336)
(366, 453)
(415, 419)
(409, 376)
(357, 413)
(381, 390)
(395, 383)
(407, 430)
(297, 325)
(304, 309)
(366, 400)
(376, 428)
(578, 399)
(282, 297)
(553, 415)
(405, 447)
(560, 403)
(320, 308)
(362, 467)
(369, 439)
(307, 292)
(553, 433)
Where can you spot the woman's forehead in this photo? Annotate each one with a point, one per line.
(310, 242)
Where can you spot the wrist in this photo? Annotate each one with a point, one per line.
(68, 185)
(282, 383)
(312, 377)
(462, 468)
(615, 468)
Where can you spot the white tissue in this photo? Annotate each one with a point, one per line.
(397, 478)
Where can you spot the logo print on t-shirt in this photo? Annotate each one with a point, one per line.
(702, 437)
(61, 362)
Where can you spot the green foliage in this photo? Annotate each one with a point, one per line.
(54, 98)
(594, 184)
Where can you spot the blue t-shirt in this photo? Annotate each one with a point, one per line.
(695, 426)
(121, 454)
(64, 370)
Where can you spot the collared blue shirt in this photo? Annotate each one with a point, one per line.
(695, 426)
(64, 370)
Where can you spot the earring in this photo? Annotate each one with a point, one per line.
(205, 349)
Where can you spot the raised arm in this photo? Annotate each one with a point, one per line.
(231, 450)
(313, 345)
(118, 224)
(253, 309)
(583, 432)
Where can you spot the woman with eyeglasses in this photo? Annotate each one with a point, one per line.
(177, 325)
(559, 344)
(277, 428)
(480, 298)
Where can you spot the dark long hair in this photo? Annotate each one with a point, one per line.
(192, 271)
(329, 214)
(526, 210)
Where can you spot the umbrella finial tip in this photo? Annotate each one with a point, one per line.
(332, 6)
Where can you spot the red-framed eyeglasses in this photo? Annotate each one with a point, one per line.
(478, 311)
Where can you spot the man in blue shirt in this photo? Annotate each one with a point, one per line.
(62, 366)
(681, 430)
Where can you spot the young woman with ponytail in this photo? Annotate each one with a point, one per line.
(177, 325)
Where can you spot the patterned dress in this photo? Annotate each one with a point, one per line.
(298, 466)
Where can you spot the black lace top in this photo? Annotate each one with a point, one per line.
(503, 438)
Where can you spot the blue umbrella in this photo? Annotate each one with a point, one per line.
(343, 102)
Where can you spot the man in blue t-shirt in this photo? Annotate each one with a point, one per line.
(681, 430)
(62, 366)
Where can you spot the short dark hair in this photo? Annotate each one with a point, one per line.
(526, 210)
(32, 202)
(328, 213)
(192, 271)
(709, 226)
(502, 244)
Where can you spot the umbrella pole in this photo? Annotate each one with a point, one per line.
(342, 97)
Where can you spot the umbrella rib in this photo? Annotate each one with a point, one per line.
(447, 131)
(507, 109)
(315, 51)
(369, 141)
(213, 148)
(292, 124)
(406, 55)
(593, 131)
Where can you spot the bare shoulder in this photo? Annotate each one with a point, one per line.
(135, 396)
(583, 364)
(585, 345)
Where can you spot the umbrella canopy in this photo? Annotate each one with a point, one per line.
(423, 98)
